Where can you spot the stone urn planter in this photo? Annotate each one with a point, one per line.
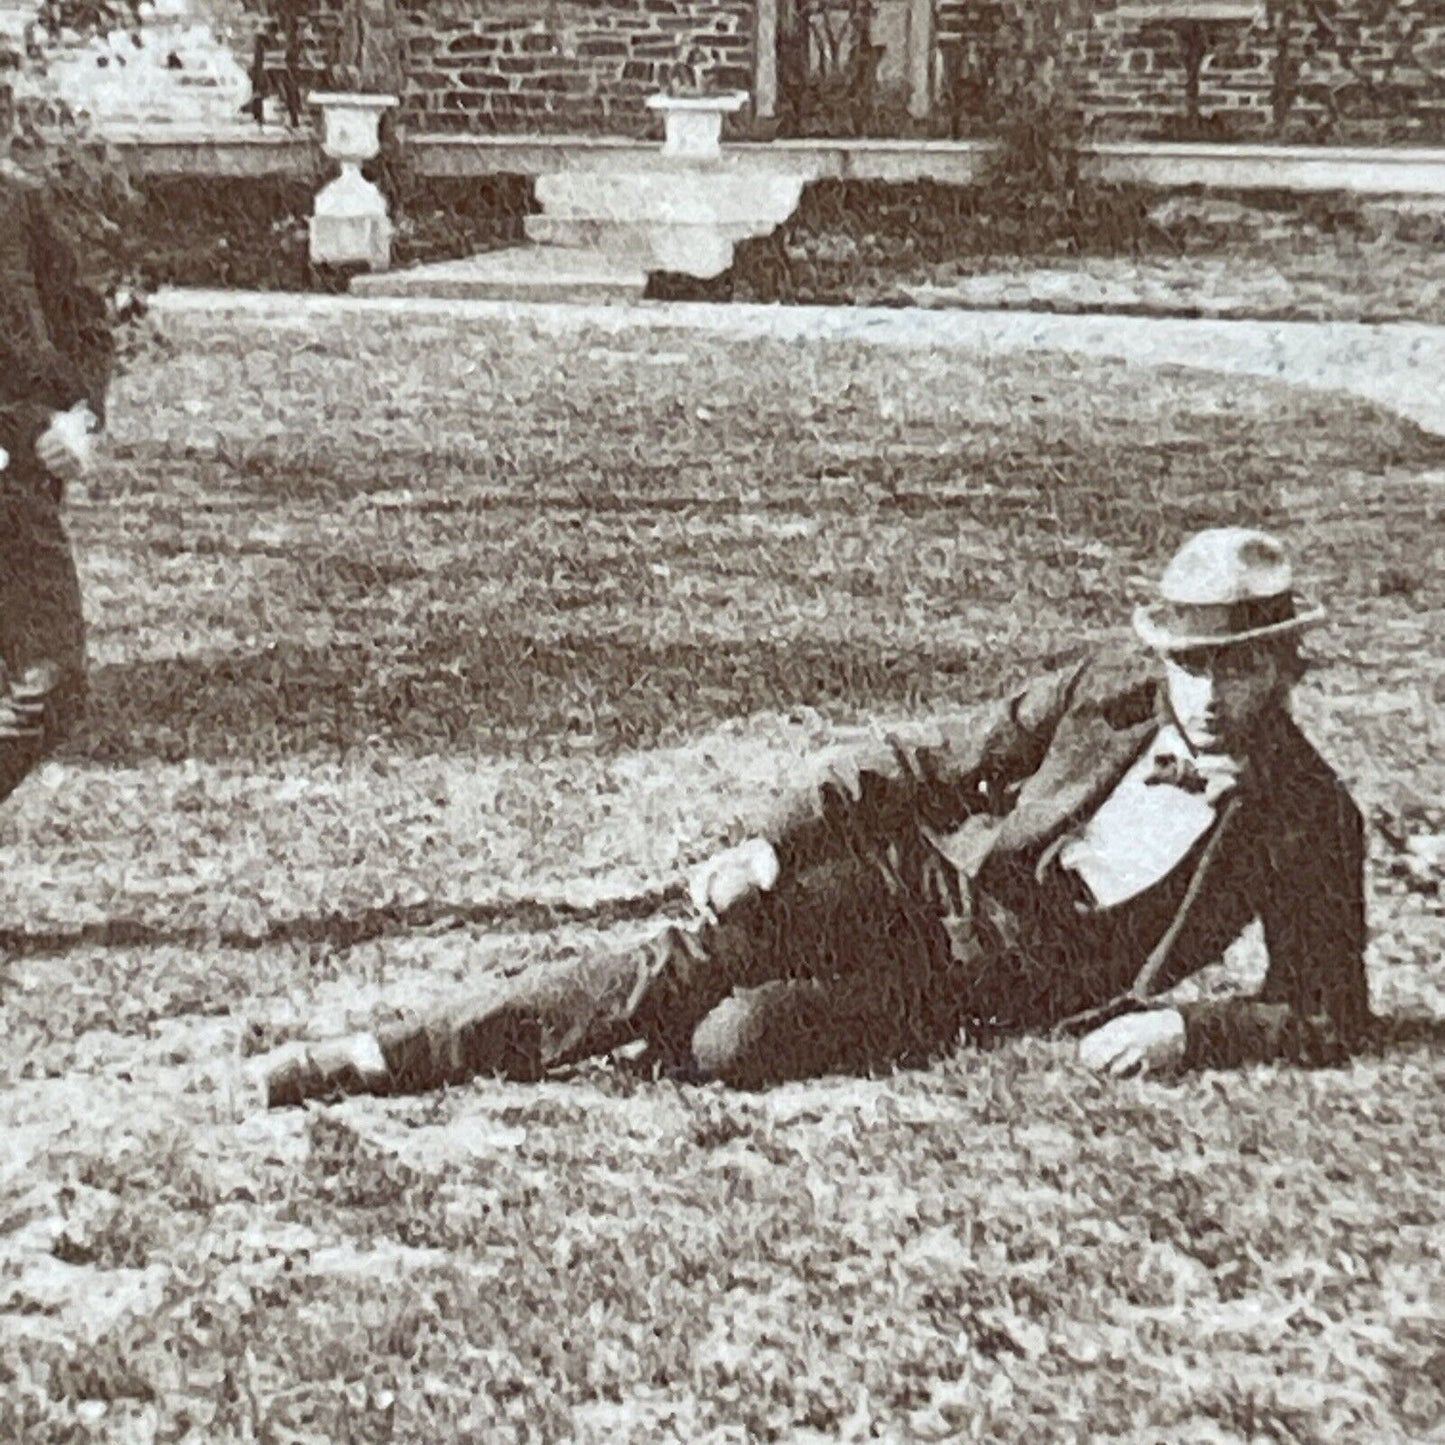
(349, 223)
(692, 124)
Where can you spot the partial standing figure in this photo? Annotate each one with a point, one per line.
(56, 352)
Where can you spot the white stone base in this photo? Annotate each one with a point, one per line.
(350, 224)
(687, 221)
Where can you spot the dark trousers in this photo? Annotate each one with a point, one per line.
(838, 968)
(41, 620)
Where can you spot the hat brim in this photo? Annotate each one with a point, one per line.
(1162, 638)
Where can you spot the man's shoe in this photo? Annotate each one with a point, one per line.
(331, 1070)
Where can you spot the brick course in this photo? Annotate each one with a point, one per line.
(566, 65)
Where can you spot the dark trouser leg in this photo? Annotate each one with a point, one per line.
(838, 918)
(805, 1028)
(848, 927)
(869, 976)
(18, 758)
(849, 903)
(514, 1028)
(552, 1014)
(41, 620)
(559, 1013)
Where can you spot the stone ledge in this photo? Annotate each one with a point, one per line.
(1185, 12)
(1363, 170)
(451, 155)
(1250, 150)
(232, 152)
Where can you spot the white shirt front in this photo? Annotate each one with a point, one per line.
(1144, 830)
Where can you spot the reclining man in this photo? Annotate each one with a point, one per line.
(1102, 835)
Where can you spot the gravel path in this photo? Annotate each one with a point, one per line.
(1399, 365)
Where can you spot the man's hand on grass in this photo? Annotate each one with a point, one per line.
(1143, 1041)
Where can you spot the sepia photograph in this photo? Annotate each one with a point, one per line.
(722, 721)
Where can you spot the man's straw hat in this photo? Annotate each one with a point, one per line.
(1225, 586)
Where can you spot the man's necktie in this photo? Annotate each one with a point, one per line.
(1217, 777)
(1182, 772)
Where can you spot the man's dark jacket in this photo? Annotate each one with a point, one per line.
(990, 789)
(55, 341)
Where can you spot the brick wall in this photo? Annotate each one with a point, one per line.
(1338, 71)
(565, 65)
(1335, 71)
(1135, 82)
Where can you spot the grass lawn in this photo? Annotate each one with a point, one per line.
(422, 652)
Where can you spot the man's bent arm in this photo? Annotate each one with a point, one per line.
(937, 771)
(1313, 1007)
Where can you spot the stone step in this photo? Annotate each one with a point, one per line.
(699, 250)
(686, 219)
(519, 273)
(591, 233)
(623, 238)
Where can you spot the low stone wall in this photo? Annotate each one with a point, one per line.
(568, 65)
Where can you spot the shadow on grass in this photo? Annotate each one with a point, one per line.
(340, 931)
(502, 692)
(1390, 1034)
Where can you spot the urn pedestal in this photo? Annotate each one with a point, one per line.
(692, 125)
(349, 222)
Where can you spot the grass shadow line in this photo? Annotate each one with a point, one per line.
(339, 931)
